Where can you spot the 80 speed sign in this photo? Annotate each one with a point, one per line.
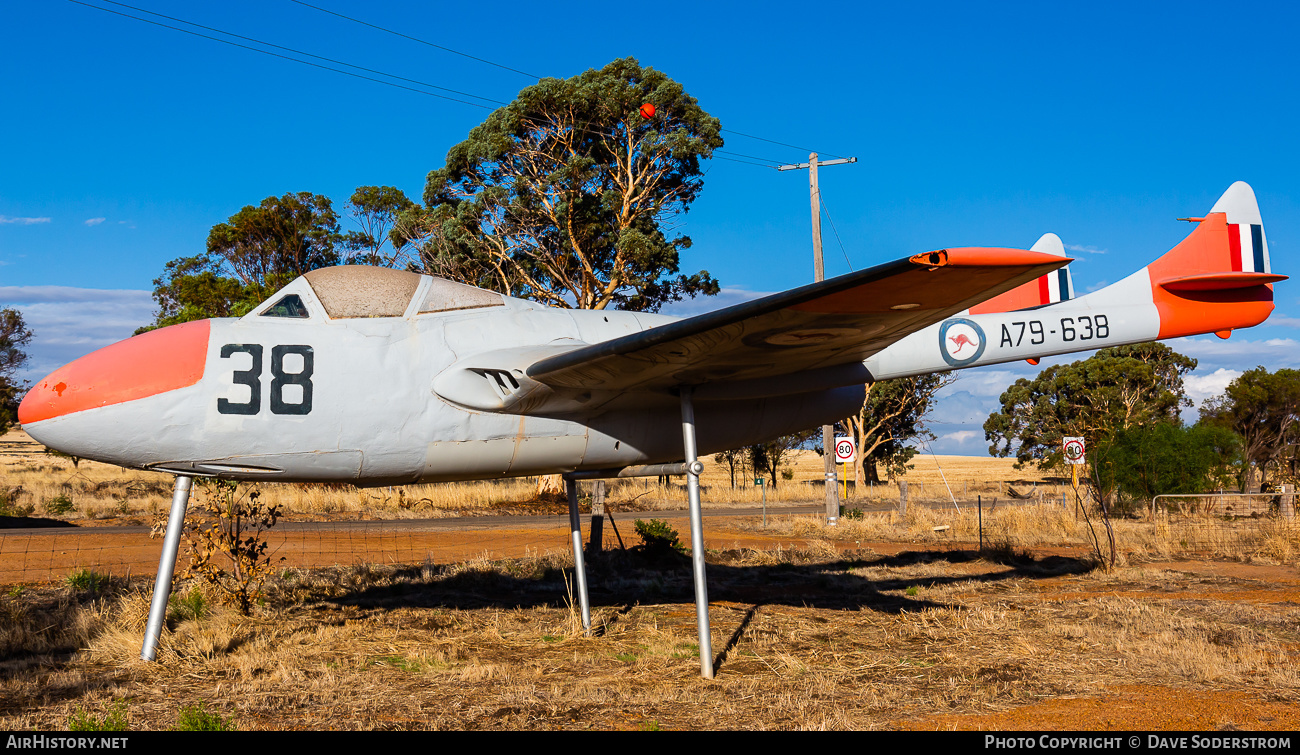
(1074, 450)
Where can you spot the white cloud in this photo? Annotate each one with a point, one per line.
(68, 323)
(957, 440)
(1201, 387)
(6, 220)
(95, 221)
(1238, 353)
(701, 304)
(1084, 249)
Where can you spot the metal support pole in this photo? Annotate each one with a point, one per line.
(579, 568)
(162, 585)
(693, 469)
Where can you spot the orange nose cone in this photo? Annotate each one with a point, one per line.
(146, 365)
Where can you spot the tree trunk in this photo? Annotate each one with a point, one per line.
(550, 485)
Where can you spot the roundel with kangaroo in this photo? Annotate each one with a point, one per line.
(961, 341)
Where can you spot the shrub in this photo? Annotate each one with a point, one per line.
(58, 506)
(657, 537)
(88, 580)
(193, 605)
(112, 720)
(227, 543)
(197, 718)
(9, 505)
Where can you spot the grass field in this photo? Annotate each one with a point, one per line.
(38, 484)
(884, 622)
(811, 638)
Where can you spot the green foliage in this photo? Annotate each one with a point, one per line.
(9, 505)
(378, 210)
(87, 580)
(734, 459)
(278, 240)
(657, 537)
(114, 719)
(195, 288)
(563, 196)
(767, 458)
(258, 250)
(197, 718)
(401, 663)
(192, 605)
(14, 337)
(892, 417)
(261, 248)
(1115, 389)
(1142, 462)
(59, 505)
(1264, 409)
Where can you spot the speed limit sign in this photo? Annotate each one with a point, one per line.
(1074, 450)
(844, 450)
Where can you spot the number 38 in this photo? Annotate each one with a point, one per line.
(279, 379)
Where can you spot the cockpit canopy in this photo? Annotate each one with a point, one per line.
(351, 291)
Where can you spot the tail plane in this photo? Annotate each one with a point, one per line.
(1217, 280)
(1051, 288)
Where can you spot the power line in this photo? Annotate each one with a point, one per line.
(516, 70)
(416, 39)
(783, 144)
(766, 163)
(279, 47)
(827, 210)
(772, 163)
(282, 57)
(716, 156)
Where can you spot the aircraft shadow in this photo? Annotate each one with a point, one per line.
(625, 578)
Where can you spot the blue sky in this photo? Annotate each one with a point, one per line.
(974, 124)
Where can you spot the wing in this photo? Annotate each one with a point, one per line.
(840, 321)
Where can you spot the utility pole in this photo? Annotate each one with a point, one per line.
(819, 274)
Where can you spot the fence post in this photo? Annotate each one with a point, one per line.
(902, 497)
(1288, 503)
(597, 516)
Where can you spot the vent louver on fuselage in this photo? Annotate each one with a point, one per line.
(503, 383)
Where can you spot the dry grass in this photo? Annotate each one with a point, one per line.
(43, 485)
(826, 636)
(808, 639)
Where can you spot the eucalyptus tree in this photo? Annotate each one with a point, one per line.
(569, 195)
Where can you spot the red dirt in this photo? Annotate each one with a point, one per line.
(1132, 708)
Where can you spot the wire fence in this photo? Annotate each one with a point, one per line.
(1231, 525)
(49, 554)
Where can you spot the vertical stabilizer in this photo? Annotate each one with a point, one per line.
(1216, 280)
